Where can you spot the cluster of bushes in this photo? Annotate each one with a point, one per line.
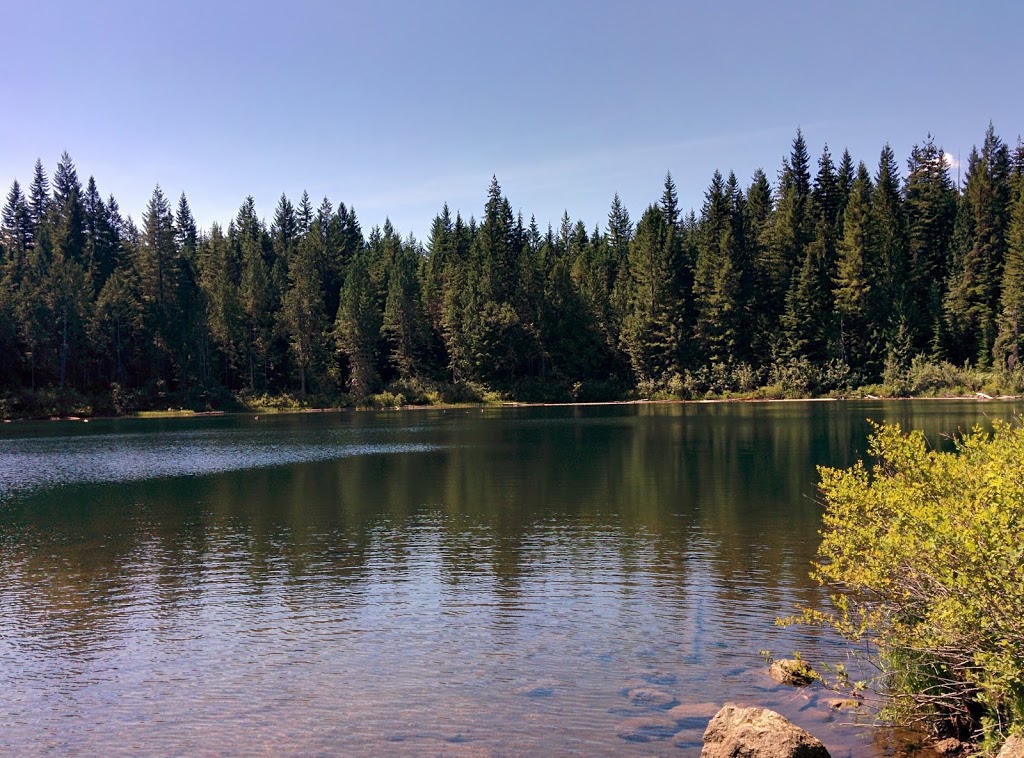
(925, 552)
(800, 378)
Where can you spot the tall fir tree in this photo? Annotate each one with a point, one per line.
(888, 259)
(1009, 343)
(357, 329)
(930, 202)
(16, 234)
(853, 282)
(302, 311)
(649, 335)
(979, 243)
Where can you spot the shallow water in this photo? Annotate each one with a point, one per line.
(496, 582)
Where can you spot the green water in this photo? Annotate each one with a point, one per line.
(495, 582)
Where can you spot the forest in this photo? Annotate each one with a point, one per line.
(821, 282)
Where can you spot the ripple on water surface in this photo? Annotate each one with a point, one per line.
(457, 587)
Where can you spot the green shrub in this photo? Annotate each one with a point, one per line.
(925, 552)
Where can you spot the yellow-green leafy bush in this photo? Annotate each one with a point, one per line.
(925, 550)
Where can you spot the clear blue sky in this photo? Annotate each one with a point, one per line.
(398, 107)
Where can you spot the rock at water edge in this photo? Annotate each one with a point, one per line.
(737, 732)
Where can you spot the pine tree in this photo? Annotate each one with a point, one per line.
(403, 319)
(16, 234)
(116, 327)
(649, 335)
(845, 176)
(757, 213)
(256, 293)
(435, 266)
(716, 288)
(888, 259)
(852, 283)
(972, 301)
(10, 349)
(461, 302)
(39, 197)
(157, 265)
(805, 320)
(186, 236)
(357, 329)
(1009, 342)
(303, 310)
(285, 231)
(220, 274)
(827, 191)
(68, 217)
(670, 201)
(191, 344)
(786, 238)
(304, 213)
(101, 239)
(930, 202)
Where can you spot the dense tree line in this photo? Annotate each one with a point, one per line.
(840, 274)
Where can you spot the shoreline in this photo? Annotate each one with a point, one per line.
(171, 413)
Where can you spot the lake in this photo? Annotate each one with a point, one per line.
(504, 581)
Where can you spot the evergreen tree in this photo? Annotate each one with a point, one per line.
(805, 320)
(462, 298)
(304, 214)
(220, 274)
(256, 294)
(845, 176)
(357, 329)
(649, 329)
(39, 197)
(285, 231)
(186, 236)
(117, 324)
(670, 201)
(930, 202)
(16, 234)
(888, 258)
(157, 266)
(716, 288)
(100, 238)
(67, 213)
(757, 214)
(972, 300)
(620, 235)
(787, 236)
(852, 283)
(303, 310)
(827, 191)
(435, 266)
(403, 319)
(1010, 335)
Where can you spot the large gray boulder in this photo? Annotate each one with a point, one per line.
(737, 732)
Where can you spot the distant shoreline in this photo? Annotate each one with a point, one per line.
(172, 413)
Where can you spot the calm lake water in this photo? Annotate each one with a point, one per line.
(460, 582)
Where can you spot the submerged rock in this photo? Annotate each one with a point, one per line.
(737, 732)
(688, 739)
(660, 678)
(539, 691)
(842, 703)
(687, 711)
(790, 671)
(651, 697)
(646, 729)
